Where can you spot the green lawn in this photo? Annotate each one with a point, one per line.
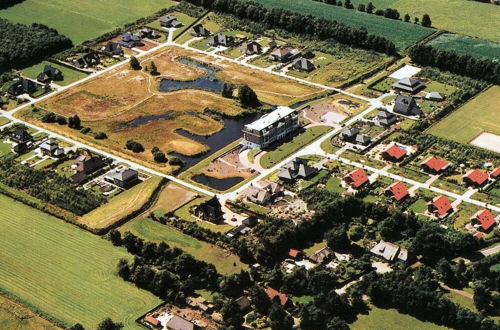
(420, 206)
(4, 148)
(473, 118)
(402, 34)
(334, 185)
(154, 231)
(390, 319)
(185, 214)
(64, 271)
(383, 85)
(82, 20)
(286, 149)
(4, 121)
(409, 173)
(467, 45)
(69, 75)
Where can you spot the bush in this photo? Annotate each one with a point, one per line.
(134, 146)
(100, 136)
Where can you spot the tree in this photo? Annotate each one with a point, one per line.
(336, 323)
(348, 4)
(361, 7)
(227, 90)
(153, 70)
(426, 21)
(259, 299)
(369, 8)
(247, 97)
(134, 63)
(416, 20)
(158, 155)
(280, 320)
(74, 122)
(115, 237)
(337, 238)
(482, 297)
(100, 136)
(407, 18)
(231, 314)
(108, 324)
(76, 326)
(134, 146)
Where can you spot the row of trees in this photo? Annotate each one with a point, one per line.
(293, 22)
(23, 45)
(483, 69)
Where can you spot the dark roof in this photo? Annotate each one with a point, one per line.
(22, 86)
(409, 85)
(198, 29)
(113, 48)
(20, 135)
(406, 105)
(221, 39)
(386, 118)
(303, 64)
(250, 47)
(350, 132)
(362, 139)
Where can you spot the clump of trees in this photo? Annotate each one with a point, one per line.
(158, 155)
(23, 45)
(248, 98)
(74, 122)
(134, 63)
(134, 146)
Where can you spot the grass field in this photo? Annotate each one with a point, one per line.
(473, 118)
(286, 149)
(14, 316)
(226, 263)
(63, 271)
(82, 20)
(467, 45)
(121, 205)
(390, 319)
(69, 76)
(171, 197)
(402, 34)
(466, 17)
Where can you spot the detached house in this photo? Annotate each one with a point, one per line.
(434, 165)
(283, 299)
(394, 153)
(385, 118)
(495, 173)
(123, 178)
(22, 86)
(113, 49)
(440, 206)
(84, 166)
(263, 193)
(49, 74)
(475, 178)
(87, 60)
(409, 85)
(322, 255)
(130, 40)
(434, 96)
(221, 40)
(349, 134)
(51, 148)
(390, 252)
(304, 65)
(483, 219)
(20, 135)
(357, 178)
(407, 106)
(250, 48)
(170, 22)
(284, 54)
(296, 169)
(199, 31)
(210, 210)
(397, 191)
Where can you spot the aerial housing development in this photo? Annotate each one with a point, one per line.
(232, 164)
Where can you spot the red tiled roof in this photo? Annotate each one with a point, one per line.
(398, 190)
(495, 173)
(435, 163)
(293, 253)
(485, 218)
(271, 293)
(476, 176)
(441, 205)
(395, 152)
(358, 177)
(151, 320)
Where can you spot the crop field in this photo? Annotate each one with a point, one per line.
(225, 262)
(14, 316)
(402, 34)
(121, 205)
(63, 271)
(127, 104)
(69, 75)
(467, 46)
(473, 118)
(82, 20)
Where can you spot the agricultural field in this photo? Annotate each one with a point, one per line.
(467, 45)
(171, 198)
(473, 118)
(80, 20)
(60, 270)
(402, 34)
(121, 205)
(14, 316)
(128, 104)
(150, 230)
(69, 75)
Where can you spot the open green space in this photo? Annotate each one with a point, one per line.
(286, 149)
(467, 45)
(390, 319)
(184, 213)
(409, 173)
(82, 20)
(150, 230)
(5, 148)
(63, 271)
(4, 121)
(69, 75)
(334, 184)
(400, 33)
(473, 118)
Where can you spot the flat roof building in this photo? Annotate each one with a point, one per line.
(270, 128)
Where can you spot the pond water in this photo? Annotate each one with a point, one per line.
(145, 119)
(208, 82)
(216, 183)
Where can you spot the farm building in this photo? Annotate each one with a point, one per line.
(112, 49)
(407, 106)
(440, 206)
(221, 40)
(199, 31)
(409, 85)
(123, 178)
(390, 251)
(22, 86)
(270, 128)
(304, 65)
(356, 178)
(51, 148)
(49, 74)
(170, 22)
(397, 191)
(296, 169)
(434, 165)
(284, 54)
(475, 178)
(483, 220)
(210, 210)
(250, 48)
(394, 153)
(385, 118)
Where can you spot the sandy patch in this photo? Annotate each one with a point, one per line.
(487, 141)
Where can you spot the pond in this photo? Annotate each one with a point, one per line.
(216, 183)
(145, 119)
(208, 82)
